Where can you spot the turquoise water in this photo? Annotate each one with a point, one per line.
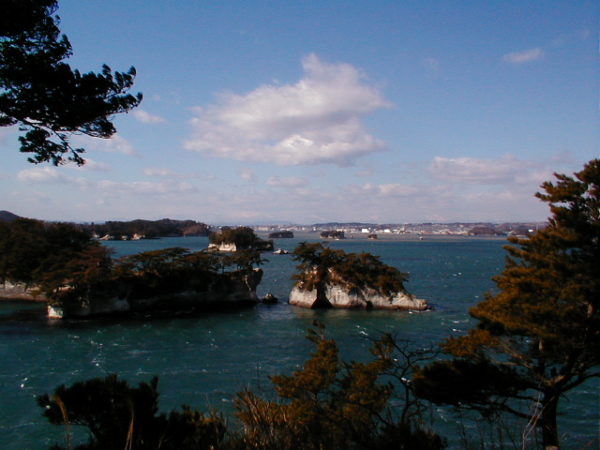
(203, 361)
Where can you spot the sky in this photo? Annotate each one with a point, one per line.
(260, 112)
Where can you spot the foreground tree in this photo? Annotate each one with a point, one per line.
(41, 94)
(328, 404)
(118, 416)
(539, 336)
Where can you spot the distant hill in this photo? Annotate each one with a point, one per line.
(344, 225)
(7, 216)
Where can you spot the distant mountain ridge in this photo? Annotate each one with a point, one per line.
(7, 216)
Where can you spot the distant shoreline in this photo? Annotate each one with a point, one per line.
(383, 237)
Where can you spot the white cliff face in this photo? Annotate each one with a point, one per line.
(339, 297)
(20, 291)
(223, 247)
(87, 308)
(299, 297)
(55, 312)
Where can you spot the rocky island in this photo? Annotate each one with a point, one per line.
(238, 239)
(281, 234)
(168, 281)
(335, 279)
(60, 264)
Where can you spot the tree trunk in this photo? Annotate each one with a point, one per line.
(321, 301)
(548, 420)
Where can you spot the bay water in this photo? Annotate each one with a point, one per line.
(202, 361)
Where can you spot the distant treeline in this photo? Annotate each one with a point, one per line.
(284, 234)
(149, 228)
(333, 235)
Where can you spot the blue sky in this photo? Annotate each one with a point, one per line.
(305, 111)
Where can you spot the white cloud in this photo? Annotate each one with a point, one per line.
(90, 166)
(365, 172)
(114, 144)
(40, 175)
(144, 187)
(480, 171)
(158, 172)
(315, 121)
(51, 175)
(247, 174)
(387, 190)
(47, 175)
(524, 56)
(146, 117)
(288, 182)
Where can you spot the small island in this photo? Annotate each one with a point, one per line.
(335, 279)
(333, 234)
(146, 229)
(282, 234)
(60, 264)
(238, 239)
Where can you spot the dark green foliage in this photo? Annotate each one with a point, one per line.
(285, 234)
(46, 254)
(539, 336)
(245, 259)
(320, 265)
(42, 94)
(119, 416)
(150, 228)
(477, 383)
(333, 234)
(163, 272)
(244, 238)
(63, 262)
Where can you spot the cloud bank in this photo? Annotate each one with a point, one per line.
(507, 171)
(444, 190)
(317, 120)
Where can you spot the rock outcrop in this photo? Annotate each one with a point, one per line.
(337, 296)
(222, 247)
(224, 290)
(237, 239)
(330, 278)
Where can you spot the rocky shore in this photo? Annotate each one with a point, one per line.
(336, 296)
(224, 290)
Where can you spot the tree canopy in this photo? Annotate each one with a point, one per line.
(329, 404)
(244, 238)
(121, 416)
(538, 337)
(64, 263)
(46, 254)
(320, 265)
(149, 228)
(43, 95)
